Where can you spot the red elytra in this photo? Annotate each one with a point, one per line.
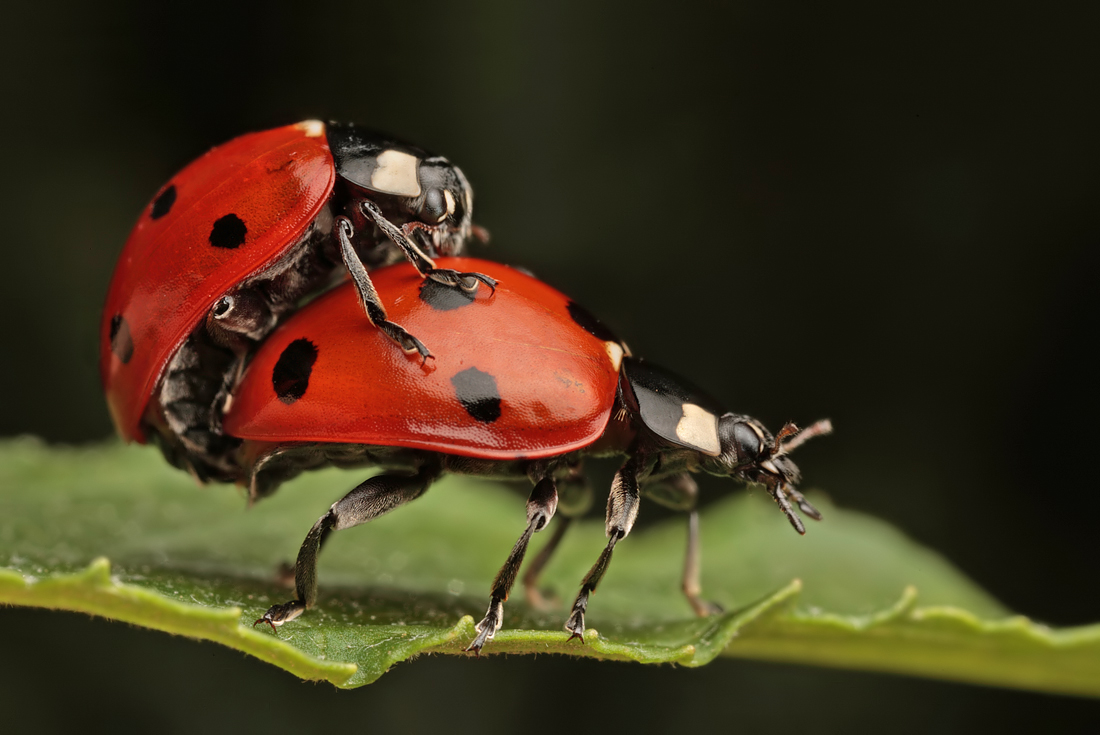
(171, 271)
(522, 373)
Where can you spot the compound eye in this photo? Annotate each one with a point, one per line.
(438, 205)
(748, 442)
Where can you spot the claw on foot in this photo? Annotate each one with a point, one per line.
(269, 621)
(411, 344)
(488, 627)
(468, 282)
(575, 626)
(276, 615)
(484, 635)
(706, 609)
(476, 646)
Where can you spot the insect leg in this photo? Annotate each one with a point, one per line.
(375, 497)
(680, 492)
(574, 500)
(691, 586)
(803, 504)
(622, 511)
(540, 509)
(779, 492)
(401, 237)
(416, 256)
(368, 295)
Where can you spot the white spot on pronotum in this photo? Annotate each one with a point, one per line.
(396, 174)
(615, 353)
(699, 428)
(312, 128)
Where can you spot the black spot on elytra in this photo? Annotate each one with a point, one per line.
(442, 297)
(122, 344)
(162, 205)
(584, 319)
(290, 378)
(478, 394)
(228, 232)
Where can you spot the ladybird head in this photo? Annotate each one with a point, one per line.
(444, 208)
(751, 452)
(424, 193)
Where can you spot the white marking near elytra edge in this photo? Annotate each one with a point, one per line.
(312, 128)
(450, 201)
(615, 352)
(699, 428)
(396, 174)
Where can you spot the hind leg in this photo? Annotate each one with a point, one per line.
(622, 511)
(680, 492)
(540, 509)
(574, 500)
(375, 497)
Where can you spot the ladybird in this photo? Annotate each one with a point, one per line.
(524, 388)
(236, 239)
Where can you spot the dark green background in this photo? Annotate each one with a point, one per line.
(881, 213)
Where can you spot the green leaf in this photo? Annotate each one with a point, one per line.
(196, 561)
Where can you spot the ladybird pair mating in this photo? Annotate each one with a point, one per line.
(203, 353)
(236, 240)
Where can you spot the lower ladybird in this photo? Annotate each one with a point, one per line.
(526, 387)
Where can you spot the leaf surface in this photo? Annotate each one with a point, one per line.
(196, 561)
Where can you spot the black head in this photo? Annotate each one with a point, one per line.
(411, 186)
(445, 206)
(750, 451)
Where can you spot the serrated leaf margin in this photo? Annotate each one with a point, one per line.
(937, 642)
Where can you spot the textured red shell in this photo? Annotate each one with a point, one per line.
(263, 191)
(522, 373)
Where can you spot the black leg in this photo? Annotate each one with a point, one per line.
(467, 281)
(803, 504)
(540, 509)
(402, 237)
(399, 237)
(535, 597)
(622, 511)
(574, 500)
(375, 497)
(779, 492)
(368, 295)
(575, 624)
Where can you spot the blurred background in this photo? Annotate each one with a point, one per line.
(884, 214)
